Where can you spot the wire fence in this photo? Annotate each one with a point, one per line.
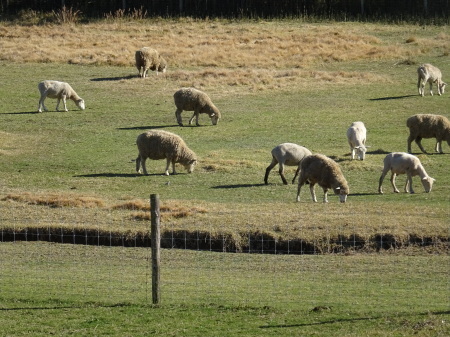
(81, 263)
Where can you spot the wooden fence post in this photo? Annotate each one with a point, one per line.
(156, 245)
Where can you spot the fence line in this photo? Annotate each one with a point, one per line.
(93, 264)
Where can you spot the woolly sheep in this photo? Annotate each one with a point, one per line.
(428, 126)
(324, 171)
(401, 163)
(160, 144)
(429, 73)
(59, 90)
(148, 58)
(286, 154)
(190, 99)
(356, 136)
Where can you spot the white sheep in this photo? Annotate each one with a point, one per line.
(59, 90)
(428, 126)
(148, 58)
(286, 154)
(324, 171)
(429, 73)
(401, 163)
(356, 136)
(160, 144)
(190, 99)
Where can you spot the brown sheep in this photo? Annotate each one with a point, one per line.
(160, 144)
(190, 99)
(148, 58)
(319, 169)
(428, 126)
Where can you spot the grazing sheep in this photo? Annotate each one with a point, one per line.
(431, 74)
(59, 90)
(428, 126)
(356, 136)
(324, 171)
(190, 99)
(148, 58)
(286, 154)
(400, 163)
(159, 144)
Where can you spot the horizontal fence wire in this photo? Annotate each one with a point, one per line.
(62, 258)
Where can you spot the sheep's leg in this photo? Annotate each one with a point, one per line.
(301, 182)
(325, 195)
(298, 191)
(431, 88)
(313, 192)
(268, 169)
(408, 184)
(393, 175)
(380, 182)
(419, 144)
(138, 164)
(192, 118)
(178, 116)
(41, 104)
(410, 140)
(421, 86)
(144, 168)
(296, 173)
(173, 167)
(64, 102)
(57, 104)
(168, 162)
(281, 172)
(352, 149)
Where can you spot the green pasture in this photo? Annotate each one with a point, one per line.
(53, 289)
(66, 289)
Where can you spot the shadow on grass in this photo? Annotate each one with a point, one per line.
(110, 175)
(101, 79)
(391, 97)
(343, 320)
(239, 185)
(148, 127)
(21, 113)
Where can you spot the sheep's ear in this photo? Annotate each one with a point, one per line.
(338, 188)
(212, 115)
(368, 146)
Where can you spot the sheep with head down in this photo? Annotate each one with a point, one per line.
(148, 58)
(160, 144)
(59, 90)
(405, 163)
(428, 73)
(319, 169)
(191, 99)
(356, 137)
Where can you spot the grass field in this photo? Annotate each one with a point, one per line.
(274, 82)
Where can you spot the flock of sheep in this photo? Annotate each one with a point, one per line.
(312, 169)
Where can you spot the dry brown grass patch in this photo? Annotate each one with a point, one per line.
(55, 200)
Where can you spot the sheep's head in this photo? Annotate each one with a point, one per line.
(162, 65)
(427, 183)
(214, 115)
(190, 165)
(342, 192)
(80, 104)
(361, 152)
